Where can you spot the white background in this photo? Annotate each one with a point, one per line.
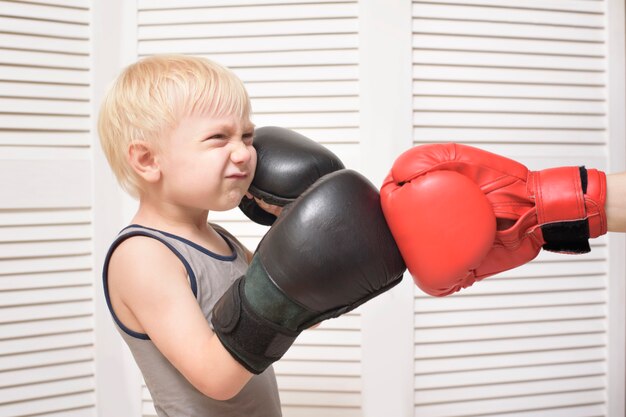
(541, 81)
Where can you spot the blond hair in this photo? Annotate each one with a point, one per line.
(151, 96)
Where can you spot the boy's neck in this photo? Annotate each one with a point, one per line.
(191, 226)
(171, 218)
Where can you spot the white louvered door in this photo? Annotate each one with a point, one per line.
(526, 80)
(46, 277)
(299, 62)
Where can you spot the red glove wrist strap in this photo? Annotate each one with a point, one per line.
(558, 195)
(561, 212)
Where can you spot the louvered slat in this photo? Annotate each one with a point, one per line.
(250, 13)
(48, 12)
(47, 311)
(523, 30)
(431, 366)
(168, 4)
(46, 28)
(274, 28)
(81, 398)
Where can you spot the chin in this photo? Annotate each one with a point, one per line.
(223, 207)
(232, 201)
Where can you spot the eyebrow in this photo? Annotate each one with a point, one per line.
(229, 126)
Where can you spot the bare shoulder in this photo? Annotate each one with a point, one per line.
(141, 257)
(142, 273)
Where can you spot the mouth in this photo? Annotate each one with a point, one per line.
(238, 175)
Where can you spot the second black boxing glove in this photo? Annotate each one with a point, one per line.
(287, 164)
(331, 252)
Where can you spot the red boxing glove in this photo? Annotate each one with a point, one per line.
(460, 214)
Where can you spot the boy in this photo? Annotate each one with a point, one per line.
(177, 134)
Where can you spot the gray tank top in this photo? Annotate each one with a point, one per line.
(209, 276)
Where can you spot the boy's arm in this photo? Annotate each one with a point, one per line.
(616, 202)
(158, 295)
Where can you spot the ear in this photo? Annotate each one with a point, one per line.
(143, 160)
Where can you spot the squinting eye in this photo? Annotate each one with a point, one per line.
(247, 137)
(218, 136)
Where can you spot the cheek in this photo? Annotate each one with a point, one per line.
(212, 163)
(253, 156)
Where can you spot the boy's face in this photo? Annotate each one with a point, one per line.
(208, 162)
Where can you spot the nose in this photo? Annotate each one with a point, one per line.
(241, 153)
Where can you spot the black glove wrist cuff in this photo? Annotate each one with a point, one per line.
(253, 341)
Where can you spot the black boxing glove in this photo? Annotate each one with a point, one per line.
(287, 164)
(331, 252)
